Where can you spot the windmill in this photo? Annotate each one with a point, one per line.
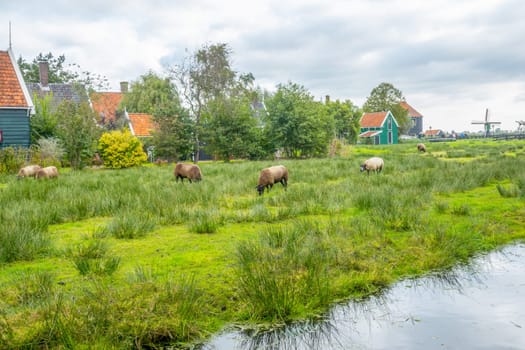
(487, 124)
(521, 125)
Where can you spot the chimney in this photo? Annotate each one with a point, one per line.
(43, 68)
(123, 87)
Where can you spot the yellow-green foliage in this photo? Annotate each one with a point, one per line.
(120, 149)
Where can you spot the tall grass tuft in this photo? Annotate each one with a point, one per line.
(205, 221)
(55, 330)
(20, 240)
(284, 271)
(34, 287)
(130, 225)
(91, 257)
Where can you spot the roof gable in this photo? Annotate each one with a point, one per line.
(60, 91)
(12, 89)
(106, 104)
(375, 119)
(141, 124)
(411, 111)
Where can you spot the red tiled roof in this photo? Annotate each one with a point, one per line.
(11, 93)
(411, 111)
(141, 123)
(106, 104)
(373, 120)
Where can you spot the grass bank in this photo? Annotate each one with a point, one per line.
(131, 259)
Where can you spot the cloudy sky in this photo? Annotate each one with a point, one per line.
(451, 59)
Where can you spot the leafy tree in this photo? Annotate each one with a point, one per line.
(173, 139)
(78, 132)
(59, 72)
(231, 132)
(297, 123)
(149, 93)
(120, 149)
(157, 96)
(385, 97)
(44, 121)
(346, 117)
(231, 127)
(203, 77)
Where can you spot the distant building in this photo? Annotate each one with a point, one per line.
(58, 91)
(379, 128)
(16, 105)
(433, 133)
(415, 117)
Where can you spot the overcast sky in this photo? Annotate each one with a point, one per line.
(451, 59)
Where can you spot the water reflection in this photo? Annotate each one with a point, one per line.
(480, 306)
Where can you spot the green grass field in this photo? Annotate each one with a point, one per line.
(131, 259)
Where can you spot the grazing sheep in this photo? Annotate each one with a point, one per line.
(190, 171)
(269, 176)
(375, 164)
(28, 171)
(49, 172)
(421, 147)
(161, 162)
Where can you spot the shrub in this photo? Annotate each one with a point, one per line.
(120, 149)
(11, 159)
(50, 152)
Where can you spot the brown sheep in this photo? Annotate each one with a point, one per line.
(269, 176)
(190, 171)
(421, 147)
(49, 172)
(28, 171)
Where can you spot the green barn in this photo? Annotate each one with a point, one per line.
(16, 105)
(379, 128)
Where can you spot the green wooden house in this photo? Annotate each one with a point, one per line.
(16, 105)
(379, 128)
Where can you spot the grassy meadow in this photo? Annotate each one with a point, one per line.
(118, 259)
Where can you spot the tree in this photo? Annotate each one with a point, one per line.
(78, 131)
(385, 97)
(44, 121)
(150, 93)
(230, 125)
(173, 139)
(298, 124)
(346, 117)
(59, 73)
(157, 96)
(201, 78)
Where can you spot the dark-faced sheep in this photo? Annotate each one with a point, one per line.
(270, 176)
(191, 172)
(28, 171)
(49, 172)
(373, 164)
(421, 147)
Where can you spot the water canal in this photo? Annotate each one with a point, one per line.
(479, 306)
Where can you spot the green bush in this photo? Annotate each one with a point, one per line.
(120, 149)
(11, 159)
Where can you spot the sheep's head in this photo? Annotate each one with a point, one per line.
(363, 167)
(260, 189)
